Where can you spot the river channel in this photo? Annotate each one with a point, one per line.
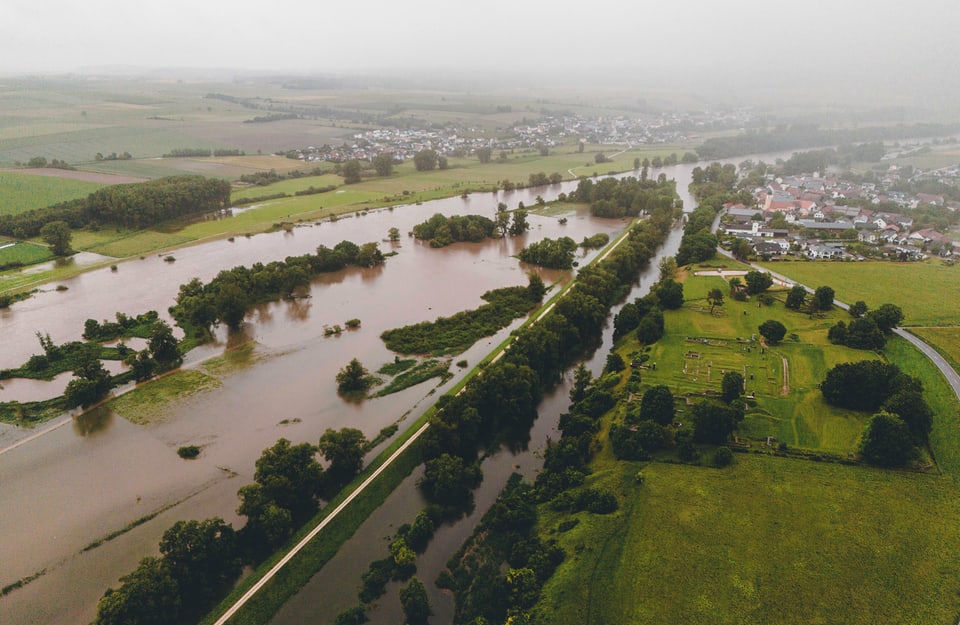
(77, 480)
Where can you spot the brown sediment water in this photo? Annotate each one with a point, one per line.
(66, 490)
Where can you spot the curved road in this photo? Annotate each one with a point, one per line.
(952, 377)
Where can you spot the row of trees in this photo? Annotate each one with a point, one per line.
(905, 419)
(228, 297)
(624, 197)
(459, 331)
(130, 205)
(869, 329)
(200, 560)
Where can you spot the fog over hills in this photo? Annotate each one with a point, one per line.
(737, 52)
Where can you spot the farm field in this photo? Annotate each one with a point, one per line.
(20, 192)
(928, 292)
(23, 253)
(698, 348)
(766, 540)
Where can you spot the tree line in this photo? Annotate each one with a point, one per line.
(624, 197)
(200, 560)
(228, 296)
(459, 331)
(135, 205)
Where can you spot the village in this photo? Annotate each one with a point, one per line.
(544, 132)
(830, 218)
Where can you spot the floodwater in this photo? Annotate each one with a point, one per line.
(335, 587)
(64, 490)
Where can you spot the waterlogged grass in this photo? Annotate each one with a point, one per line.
(790, 409)
(421, 373)
(147, 403)
(233, 360)
(22, 192)
(767, 540)
(928, 292)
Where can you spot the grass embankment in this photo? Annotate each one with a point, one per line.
(421, 372)
(790, 409)
(767, 540)
(945, 339)
(928, 292)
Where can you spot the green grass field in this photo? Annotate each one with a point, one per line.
(793, 411)
(22, 192)
(945, 339)
(928, 292)
(23, 252)
(767, 540)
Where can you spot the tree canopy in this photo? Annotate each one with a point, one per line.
(773, 331)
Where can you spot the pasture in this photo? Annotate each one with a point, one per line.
(699, 347)
(928, 292)
(766, 540)
(22, 253)
(20, 192)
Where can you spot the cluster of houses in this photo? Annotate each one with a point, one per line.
(805, 215)
(547, 130)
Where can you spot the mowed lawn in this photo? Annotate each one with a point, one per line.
(791, 408)
(766, 540)
(22, 192)
(928, 292)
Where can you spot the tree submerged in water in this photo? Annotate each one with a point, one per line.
(354, 379)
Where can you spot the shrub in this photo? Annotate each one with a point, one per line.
(188, 452)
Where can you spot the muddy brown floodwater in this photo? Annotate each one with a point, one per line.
(63, 491)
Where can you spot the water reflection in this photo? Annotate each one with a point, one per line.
(93, 422)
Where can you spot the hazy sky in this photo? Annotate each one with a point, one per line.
(833, 38)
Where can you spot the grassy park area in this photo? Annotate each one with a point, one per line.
(928, 291)
(768, 539)
(699, 346)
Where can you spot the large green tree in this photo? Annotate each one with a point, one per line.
(383, 164)
(147, 596)
(354, 378)
(57, 235)
(344, 450)
(886, 441)
(657, 405)
(758, 281)
(204, 559)
(351, 171)
(415, 603)
(425, 160)
(773, 331)
(796, 297)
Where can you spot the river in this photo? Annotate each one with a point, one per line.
(91, 476)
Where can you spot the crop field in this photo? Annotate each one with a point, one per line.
(766, 540)
(928, 292)
(24, 253)
(21, 192)
(699, 347)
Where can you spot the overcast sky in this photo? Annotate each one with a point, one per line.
(837, 39)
